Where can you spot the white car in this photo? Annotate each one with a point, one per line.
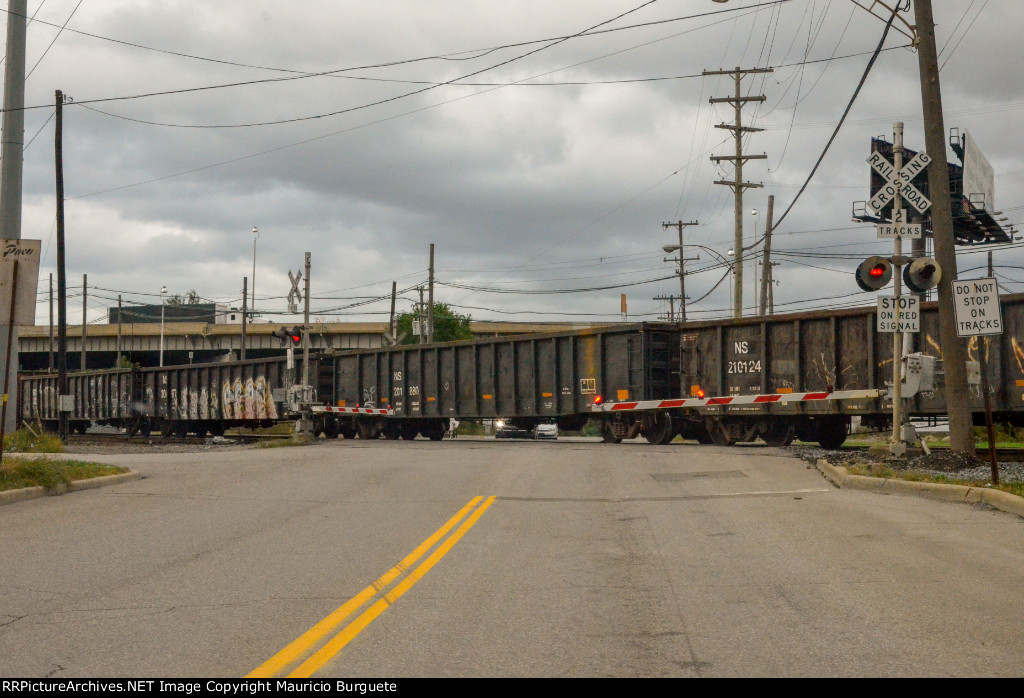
(545, 431)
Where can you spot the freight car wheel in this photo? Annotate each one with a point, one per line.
(331, 428)
(167, 428)
(181, 429)
(778, 435)
(658, 429)
(607, 435)
(720, 435)
(409, 431)
(434, 430)
(703, 436)
(347, 429)
(133, 427)
(217, 429)
(391, 431)
(145, 428)
(832, 433)
(368, 430)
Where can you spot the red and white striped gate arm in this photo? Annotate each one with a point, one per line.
(353, 410)
(737, 400)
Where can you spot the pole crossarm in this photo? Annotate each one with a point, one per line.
(736, 101)
(740, 129)
(734, 71)
(739, 185)
(909, 31)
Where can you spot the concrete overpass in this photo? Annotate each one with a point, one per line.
(198, 342)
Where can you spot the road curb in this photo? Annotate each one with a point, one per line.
(12, 496)
(1004, 501)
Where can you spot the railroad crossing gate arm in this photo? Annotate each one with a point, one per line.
(918, 376)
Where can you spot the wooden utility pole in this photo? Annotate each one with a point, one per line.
(738, 185)
(49, 362)
(62, 306)
(118, 364)
(671, 306)
(766, 272)
(682, 261)
(419, 318)
(430, 299)
(85, 310)
(393, 326)
(954, 354)
(245, 290)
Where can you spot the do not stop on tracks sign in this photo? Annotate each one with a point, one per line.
(977, 307)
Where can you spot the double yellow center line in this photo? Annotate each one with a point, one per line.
(319, 644)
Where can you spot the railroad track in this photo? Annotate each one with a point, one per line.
(157, 437)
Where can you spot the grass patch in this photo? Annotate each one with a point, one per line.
(33, 440)
(283, 443)
(16, 473)
(884, 471)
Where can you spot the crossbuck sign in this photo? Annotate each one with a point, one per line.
(911, 194)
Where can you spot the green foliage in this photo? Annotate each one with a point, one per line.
(449, 326)
(34, 440)
(126, 362)
(16, 473)
(190, 298)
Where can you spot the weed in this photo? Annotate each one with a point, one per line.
(16, 473)
(33, 440)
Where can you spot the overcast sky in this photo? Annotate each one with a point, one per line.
(536, 159)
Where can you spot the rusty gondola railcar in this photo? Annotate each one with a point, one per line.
(196, 398)
(823, 353)
(405, 391)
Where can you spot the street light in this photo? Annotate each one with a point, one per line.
(163, 292)
(753, 212)
(718, 255)
(255, 237)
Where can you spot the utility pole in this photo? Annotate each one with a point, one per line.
(62, 305)
(394, 327)
(766, 272)
(419, 317)
(11, 164)
(954, 355)
(245, 290)
(738, 185)
(671, 306)
(305, 330)
(49, 362)
(118, 364)
(430, 299)
(85, 309)
(683, 259)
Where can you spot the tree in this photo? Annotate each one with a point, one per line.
(449, 326)
(191, 298)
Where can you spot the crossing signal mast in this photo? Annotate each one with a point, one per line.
(896, 314)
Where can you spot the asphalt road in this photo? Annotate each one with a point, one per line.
(513, 559)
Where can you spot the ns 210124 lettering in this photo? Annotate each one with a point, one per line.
(752, 366)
